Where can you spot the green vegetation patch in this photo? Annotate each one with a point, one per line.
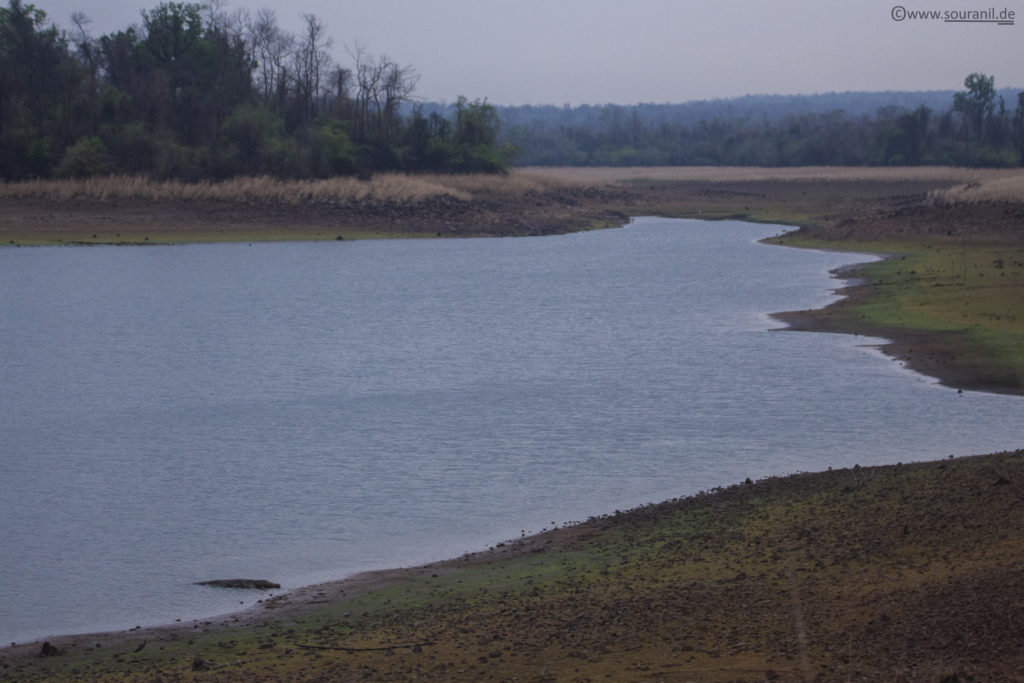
(965, 295)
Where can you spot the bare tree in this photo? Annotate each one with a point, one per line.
(311, 62)
(88, 49)
(366, 92)
(399, 84)
(216, 16)
(382, 86)
(271, 48)
(342, 81)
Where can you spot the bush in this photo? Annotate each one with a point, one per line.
(87, 157)
(249, 133)
(332, 150)
(134, 148)
(182, 162)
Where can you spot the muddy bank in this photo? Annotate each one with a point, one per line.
(953, 350)
(944, 356)
(133, 221)
(903, 572)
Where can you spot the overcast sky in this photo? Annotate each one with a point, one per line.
(599, 51)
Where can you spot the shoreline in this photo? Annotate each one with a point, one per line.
(299, 602)
(948, 605)
(921, 351)
(302, 601)
(859, 222)
(925, 352)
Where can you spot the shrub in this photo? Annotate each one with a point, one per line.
(87, 157)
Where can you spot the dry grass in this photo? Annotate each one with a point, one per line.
(518, 182)
(391, 187)
(1003, 188)
(609, 175)
(976, 184)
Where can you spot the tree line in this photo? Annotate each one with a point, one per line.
(197, 92)
(976, 126)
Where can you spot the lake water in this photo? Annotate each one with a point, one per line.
(299, 412)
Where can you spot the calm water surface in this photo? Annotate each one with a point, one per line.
(299, 412)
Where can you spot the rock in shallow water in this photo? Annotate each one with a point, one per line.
(259, 584)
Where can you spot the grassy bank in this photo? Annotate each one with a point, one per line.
(950, 293)
(956, 312)
(905, 572)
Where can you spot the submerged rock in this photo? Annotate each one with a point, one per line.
(258, 584)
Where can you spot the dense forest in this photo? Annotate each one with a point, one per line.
(978, 126)
(195, 92)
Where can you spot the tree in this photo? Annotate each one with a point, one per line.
(977, 102)
(193, 74)
(905, 139)
(381, 88)
(87, 48)
(1018, 127)
(476, 123)
(41, 89)
(475, 137)
(197, 92)
(311, 62)
(270, 50)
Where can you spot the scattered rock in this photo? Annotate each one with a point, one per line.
(48, 650)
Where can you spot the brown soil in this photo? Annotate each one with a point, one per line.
(896, 573)
(557, 209)
(935, 354)
(906, 220)
(82, 221)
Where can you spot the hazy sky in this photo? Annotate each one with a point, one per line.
(598, 51)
